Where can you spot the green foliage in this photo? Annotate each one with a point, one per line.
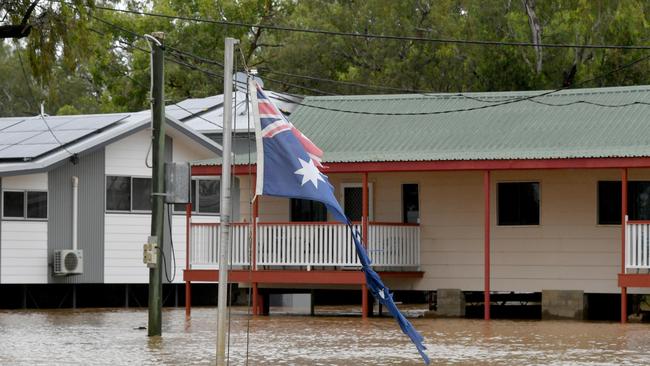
(76, 62)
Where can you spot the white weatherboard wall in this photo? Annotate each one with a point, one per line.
(24, 242)
(125, 233)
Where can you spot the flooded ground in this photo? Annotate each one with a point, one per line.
(114, 337)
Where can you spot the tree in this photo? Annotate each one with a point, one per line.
(19, 30)
(87, 59)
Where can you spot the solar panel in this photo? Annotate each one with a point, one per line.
(29, 137)
(25, 151)
(189, 107)
(8, 122)
(10, 138)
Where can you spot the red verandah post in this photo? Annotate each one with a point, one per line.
(364, 237)
(623, 214)
(188, 284)
(486, 196)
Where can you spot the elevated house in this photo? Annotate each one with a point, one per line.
(109, 155)
(489, 192)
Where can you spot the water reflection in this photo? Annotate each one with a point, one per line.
(114, 336)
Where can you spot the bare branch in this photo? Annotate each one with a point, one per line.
(536, 32)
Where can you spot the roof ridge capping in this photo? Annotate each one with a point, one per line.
(486, 95)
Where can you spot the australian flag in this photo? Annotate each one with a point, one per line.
(288, 166)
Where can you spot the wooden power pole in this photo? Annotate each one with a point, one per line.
(157, 182)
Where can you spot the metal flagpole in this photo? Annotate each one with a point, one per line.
(224, 240)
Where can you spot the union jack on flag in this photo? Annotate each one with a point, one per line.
(274, 122)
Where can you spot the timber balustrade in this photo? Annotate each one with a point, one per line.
(637, 244)
(313, 244)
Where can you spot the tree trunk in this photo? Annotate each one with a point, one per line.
(536, 32)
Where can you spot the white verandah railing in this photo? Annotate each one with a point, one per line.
(308, 244)
(637, 244)
(204, 248)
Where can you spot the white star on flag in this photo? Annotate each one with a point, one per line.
(309, 173)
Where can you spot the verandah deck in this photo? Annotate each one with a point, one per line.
(306, 253)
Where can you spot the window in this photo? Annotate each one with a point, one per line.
(207, 199)
(609, 201)
(118, 193)
(128, 194)
(410, 204)
(209, 192)
(141, 197)
(24, 204)
(518, 203)
(638, 200)
(13, 204)
(352, 199)
(307, 210)
(36, 205)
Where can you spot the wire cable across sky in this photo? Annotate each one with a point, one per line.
(367, 35)
(176, 54)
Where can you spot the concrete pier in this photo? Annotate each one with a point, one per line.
(451, 303)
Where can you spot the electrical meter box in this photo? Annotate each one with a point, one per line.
(178, 182)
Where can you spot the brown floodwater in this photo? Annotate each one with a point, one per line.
(114, 337)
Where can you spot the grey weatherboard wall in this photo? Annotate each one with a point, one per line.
(90, 170)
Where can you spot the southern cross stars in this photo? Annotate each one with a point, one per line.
(309, 173)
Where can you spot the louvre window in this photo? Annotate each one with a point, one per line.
(24, 204)
(518, 203)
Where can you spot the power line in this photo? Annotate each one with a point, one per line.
(314, 78)
(504, 102)
(201, 59)
(369, 35)
(27, 82)
(604, 105)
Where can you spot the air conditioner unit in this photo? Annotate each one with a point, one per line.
(68, 262)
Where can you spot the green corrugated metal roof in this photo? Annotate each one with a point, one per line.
(522, 130)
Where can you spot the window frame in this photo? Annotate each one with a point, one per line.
(131, 198)
(539, 209)
(24, 217)
(130, 210)
(371, 210)
(195, 208)
(403, 213)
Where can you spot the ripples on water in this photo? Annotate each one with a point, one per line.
(111, 336)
